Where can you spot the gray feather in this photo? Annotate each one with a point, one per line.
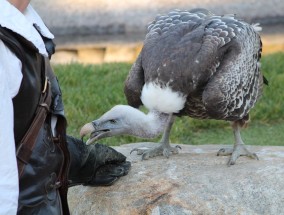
(211, 59)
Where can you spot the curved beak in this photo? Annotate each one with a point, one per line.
(96, 132)
(86, 129)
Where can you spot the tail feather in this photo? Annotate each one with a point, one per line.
(265, 81)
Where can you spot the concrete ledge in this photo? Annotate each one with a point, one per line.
(127, 52)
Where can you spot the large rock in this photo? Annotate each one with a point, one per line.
(195, 181)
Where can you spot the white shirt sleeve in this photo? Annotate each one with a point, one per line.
(10, 80)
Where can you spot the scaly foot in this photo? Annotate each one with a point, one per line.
(236, 152)
(162, 149)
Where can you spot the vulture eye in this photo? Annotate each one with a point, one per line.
(112, 121)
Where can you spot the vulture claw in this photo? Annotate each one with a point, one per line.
(140, 151)
(178, 147)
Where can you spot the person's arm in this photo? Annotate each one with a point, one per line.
(10, 80)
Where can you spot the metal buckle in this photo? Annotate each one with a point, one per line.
(56, 185)
(45, 84)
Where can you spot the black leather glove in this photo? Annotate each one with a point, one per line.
(95, 164)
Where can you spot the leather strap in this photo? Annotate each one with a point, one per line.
(24, 149)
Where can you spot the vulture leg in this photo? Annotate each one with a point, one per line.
(164, 148)
(239, 148)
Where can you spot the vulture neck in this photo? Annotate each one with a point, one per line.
(150, 125)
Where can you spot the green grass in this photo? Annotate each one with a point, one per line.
(90, 90)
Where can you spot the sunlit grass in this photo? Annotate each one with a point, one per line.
(90, 90)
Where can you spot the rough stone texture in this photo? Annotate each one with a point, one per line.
(195, 181)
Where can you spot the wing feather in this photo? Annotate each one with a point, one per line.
(134, 83)
(213, 60)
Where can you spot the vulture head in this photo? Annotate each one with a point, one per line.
(124, 120)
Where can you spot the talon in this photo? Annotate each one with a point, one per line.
(236, 152)
(156, 151)
(232, 160)
(139, 150)
(133, 150)
(230, 163)
(178, 147)
(254, 156)
(145, 156)
(166, 153)
(221, 150)
(225, 152)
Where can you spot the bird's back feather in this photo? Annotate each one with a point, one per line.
(211, 60)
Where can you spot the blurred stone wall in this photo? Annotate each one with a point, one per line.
(113, 30)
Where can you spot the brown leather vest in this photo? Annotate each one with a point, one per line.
(43, 184)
